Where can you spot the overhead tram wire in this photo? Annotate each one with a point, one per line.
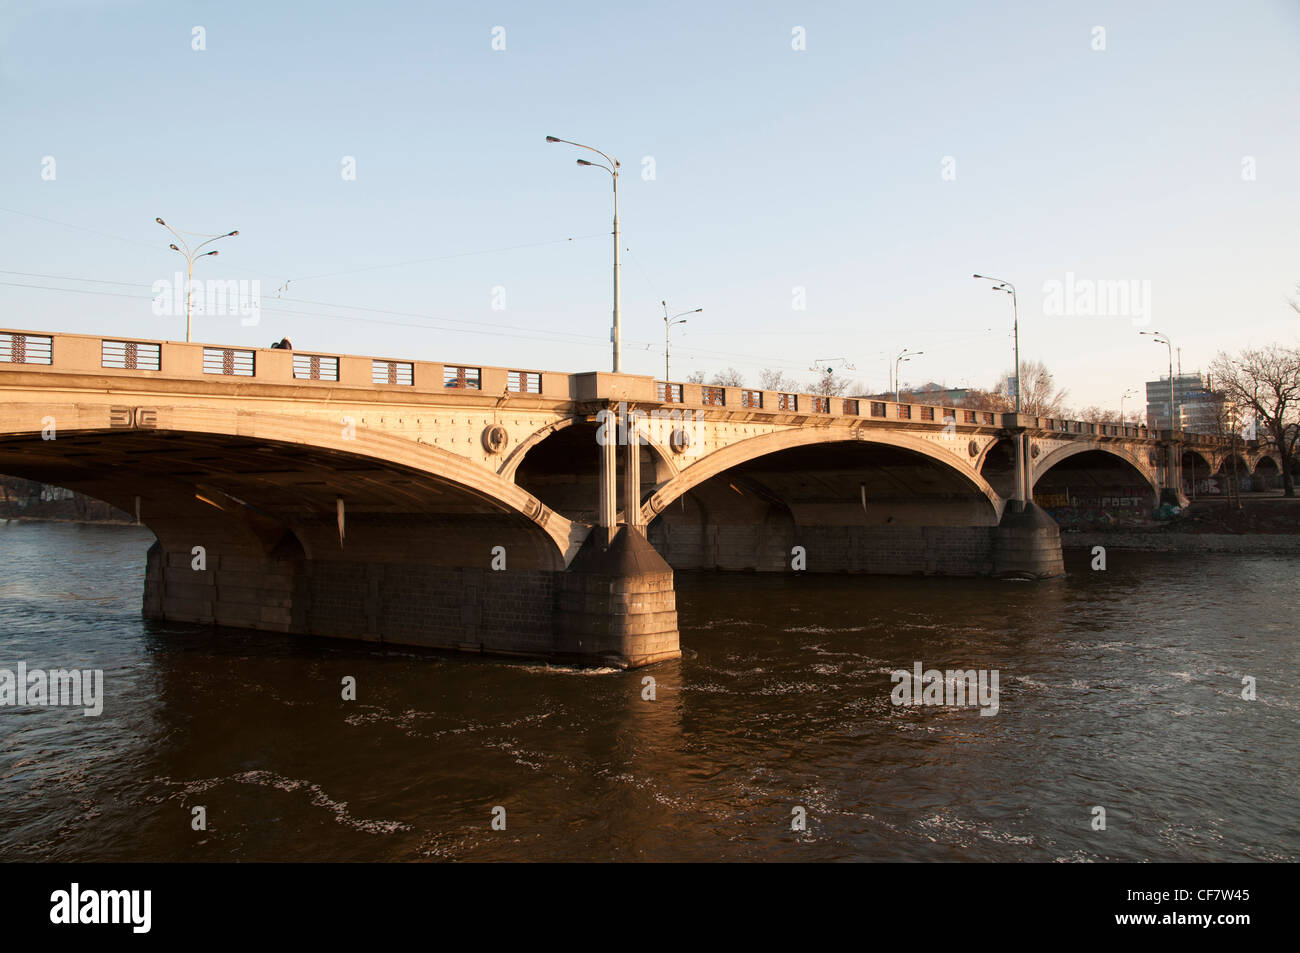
(81, 228)
(532, 335)
(279, 276)
(512, 331)
(529, 333)
(464, 254)
(648, 345)
(552, 337)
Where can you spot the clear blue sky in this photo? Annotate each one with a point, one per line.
(774, 168)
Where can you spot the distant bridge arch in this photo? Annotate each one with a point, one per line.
(1119, 452)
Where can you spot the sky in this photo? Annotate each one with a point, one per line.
(823, 179)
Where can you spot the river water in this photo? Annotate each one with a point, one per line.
(1119, 689)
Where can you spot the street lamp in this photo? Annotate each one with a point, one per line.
(668, 323)
(1122, 397)
(1162, 338)
(898, 360)
(1010, 289)
(612, 169)
(190, 256)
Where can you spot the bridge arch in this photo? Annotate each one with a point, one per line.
(765, 445)
(560, 466)
(510, 466)
(1267, 474)
(1141, 467)
(848, 501)
(219, 456)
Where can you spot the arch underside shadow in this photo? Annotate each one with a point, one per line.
(1097, 465)
(849, 505)
(1093, 487)
(256, 495)
(746, 454)
(562, 469)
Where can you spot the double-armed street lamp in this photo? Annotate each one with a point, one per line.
(1162, 338)
(1010, 289)
(668, 323)
(903, 355)
(190, 256)
(612, 169)
(1123, 397)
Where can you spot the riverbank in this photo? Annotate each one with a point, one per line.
(1161, 540)
(1262, 525)
(5, 518)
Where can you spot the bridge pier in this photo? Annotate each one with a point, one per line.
(1026, 541)
(1171, 470)
(1027, 544)
(616, 604)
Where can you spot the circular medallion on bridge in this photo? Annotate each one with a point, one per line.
(1033, 452)
(679, 440)
(1152, 459)
(495, 438)
(973, 449)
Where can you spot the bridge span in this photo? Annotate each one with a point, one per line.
(527, 512)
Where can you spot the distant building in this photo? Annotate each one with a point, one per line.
(1204, 412)
(1197, 408)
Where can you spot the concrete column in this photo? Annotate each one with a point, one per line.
(607, 447)
(632, 473)
(1019, 494)
(1026, 470)
(1171, 482)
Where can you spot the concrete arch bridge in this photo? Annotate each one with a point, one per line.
(522, 511)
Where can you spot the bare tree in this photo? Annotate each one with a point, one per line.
(1039, 394)
(769, 379)
(728, 378)
(1265, 383)
(976, 399)
(697, 377)
(1093, 414)
(829, 384)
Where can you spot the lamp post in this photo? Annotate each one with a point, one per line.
(898, 360)
(1010, 289)
(612, 169)
(1122, 397)
(190, 256)
(1162, 338)
(1173, 475)
(668, 323)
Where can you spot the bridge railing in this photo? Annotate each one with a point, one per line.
(704, 396)
(120, 356)
(123, 356)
